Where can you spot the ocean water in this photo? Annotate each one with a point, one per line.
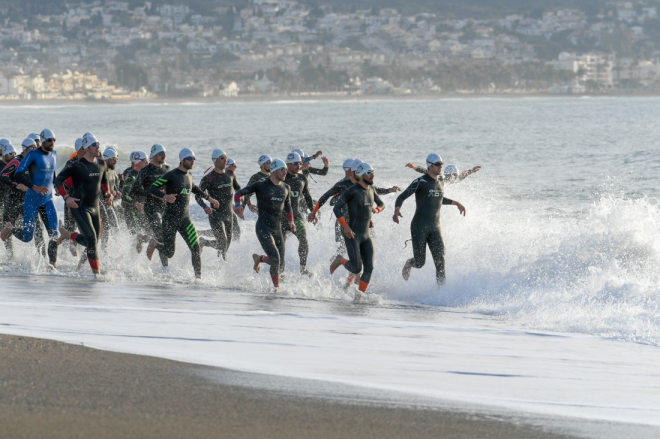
(551, 302)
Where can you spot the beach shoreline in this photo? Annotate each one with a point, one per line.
(322, 97)
(58, 390)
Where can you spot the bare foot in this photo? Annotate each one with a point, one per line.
(151, 248)
(406, 269)
(336, 263)
(257, 262)
(64, 235)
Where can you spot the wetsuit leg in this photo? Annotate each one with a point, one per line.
(270, 244)
(30, 212)
(167, 244)
(155, 221)
(109, 221)
(339, 238)
(6, 217)
(69, 222)
(222, 235)
(437, 247)
(235, 229)
(303, 244)
(354, 264)
(39, 242)
(189, 233)
(419, 236)
(89, 223)
(230, 230)
(367, 256)
(48, 216)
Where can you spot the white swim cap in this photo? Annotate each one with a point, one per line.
(109, 153)
(7, 147)
(264, 159)
(276, 165)
(34, 137)
(28, 143)
(185, 152)
(347, 164)
(156, 149)
(78, 144)
(364, 168)
(432, 159)
(299, 151)
(451, 170)
(293, 157)
(138, 156)
(217, 153)
(230, 162)
(88, 140)
(47, 134)
(355, 164)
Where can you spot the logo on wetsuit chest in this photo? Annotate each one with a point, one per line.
(368, 203)
(94, 174)
(275, 199)
(220, 186)
(435, 193)
(185, 191)
(295, 194)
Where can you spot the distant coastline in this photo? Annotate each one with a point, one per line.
(310, 98)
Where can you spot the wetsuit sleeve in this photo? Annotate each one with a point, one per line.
(199, 192)
(105, 187)
(7, 173)
(341, 202)
(235, 184)
(203, 187)
(407, 193)
(379, 203)
(308, 196)
(381, 190)
(247, 190)
(137, 191)
(420, 169)
(446, 201)
(127, 188)
(288, 210)
(334, 190)
(21, 174)
(319, 171)
(66, 173)
(255, 178)
(156, 188)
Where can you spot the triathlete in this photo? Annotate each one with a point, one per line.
(362, 200)
(236, 228)
(425, 226)
(152, 207)
(37, 172)
(110, 213)
(264, 172)
(451, 174)
(7, 154)
(307, 163)
(69, 222)
(299, 187)
(135, 220)
(89, 177)
(177, 185)
(273, 202)
(220, 185)
(16, 195)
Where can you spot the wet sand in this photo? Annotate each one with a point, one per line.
(55, 390)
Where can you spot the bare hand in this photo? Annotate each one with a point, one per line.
(348, 232)
(253, 208)
(239, 212)
(41, 190)
(371, 224)
(169, 198)
(292, 226)
(118, 194)
(312, 218)
(71, 202)
(208, 210)
(394, 189)
(396, 216)
(461, 208)
(476, 168)
(108, 200)
(410, 165)
(21, 187)
(139, 207)
(318, 153)
(325, 161)
(214, 202)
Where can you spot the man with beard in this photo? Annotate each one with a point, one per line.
(37, 172)
(89, 177)
(299, 193)
(177, 185)
(425, 229)
(361, 200)
(220, 185)
(152, 207)
(273, 203)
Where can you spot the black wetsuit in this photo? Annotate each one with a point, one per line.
(176, 217)
(69, 222)
(273, 201)
(110, 214)
(220, 187)
(333, 195)
(5, 190)
(253, 179)
(299, 194)
(360, 249)
(13, 208)
(89, 179)
(135, 221)
(316, 171)
(425, 225)
(153, 207)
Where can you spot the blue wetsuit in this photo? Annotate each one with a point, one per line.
(38, 169)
